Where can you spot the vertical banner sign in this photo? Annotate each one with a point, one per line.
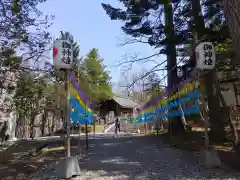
(205, 56)
(62, 60)
(62, 54)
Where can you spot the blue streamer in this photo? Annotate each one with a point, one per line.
(80, 109)
(76, 118)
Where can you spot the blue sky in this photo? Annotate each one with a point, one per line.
(92, 28)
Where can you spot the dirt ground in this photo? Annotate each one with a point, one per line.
(193, 142)
(27, 156)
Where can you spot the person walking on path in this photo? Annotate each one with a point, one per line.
(117, 126)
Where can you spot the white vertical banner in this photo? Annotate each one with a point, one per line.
(205, 56)
(62, 54)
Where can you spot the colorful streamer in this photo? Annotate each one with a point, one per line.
(148, 116)
(186, 82)
(76, 118)
(80, 109)
(84, 112)
(77, 87)
(76, 96)
(185, 90)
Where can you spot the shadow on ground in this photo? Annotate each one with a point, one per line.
(28, 156)
(143, 157)
(193, 141)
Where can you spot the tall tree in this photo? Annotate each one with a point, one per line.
(28, 98)
(95, 79)
(232, 14)
(143, 21)
(16, 18)
(200, 32)
(17, 21)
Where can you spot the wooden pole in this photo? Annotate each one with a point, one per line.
(79, 145)
(145, 129)
(204, 117)
(94, 127)
(86, 132)
(67, 89)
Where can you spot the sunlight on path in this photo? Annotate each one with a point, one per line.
(130, 158)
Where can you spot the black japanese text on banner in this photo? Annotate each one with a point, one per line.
(205, 56)
(62, 54)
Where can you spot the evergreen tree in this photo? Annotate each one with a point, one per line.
(94, 78)
(143, 20)
(16, 19)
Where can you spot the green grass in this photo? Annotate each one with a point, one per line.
(159, 132)
(47, 150)
(99, 128)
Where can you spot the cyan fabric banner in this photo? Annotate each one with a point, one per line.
(76, 118)
(175, 103)
(80, 109)
(77, 87)
(194, 109)
(149, 116)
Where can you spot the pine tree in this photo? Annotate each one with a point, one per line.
(201, 32)
(95, 79)
(143, 21)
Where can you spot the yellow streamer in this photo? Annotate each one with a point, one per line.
(187, 88)
(75, 94)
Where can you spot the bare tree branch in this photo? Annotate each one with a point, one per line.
(127, 64)
(153, 69)
(130, 40)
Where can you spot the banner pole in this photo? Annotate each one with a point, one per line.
(67, 89)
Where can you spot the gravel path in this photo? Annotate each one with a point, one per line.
(136, 157)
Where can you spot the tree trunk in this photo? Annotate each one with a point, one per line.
(171, 48)
(217, 132)
(19, 133)
(44, 120)
(53, 125)
(32, 125)
(228, 113)
(232, 15)
(176, 124)
(232, 115)
(3, 130)
(215, 113)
